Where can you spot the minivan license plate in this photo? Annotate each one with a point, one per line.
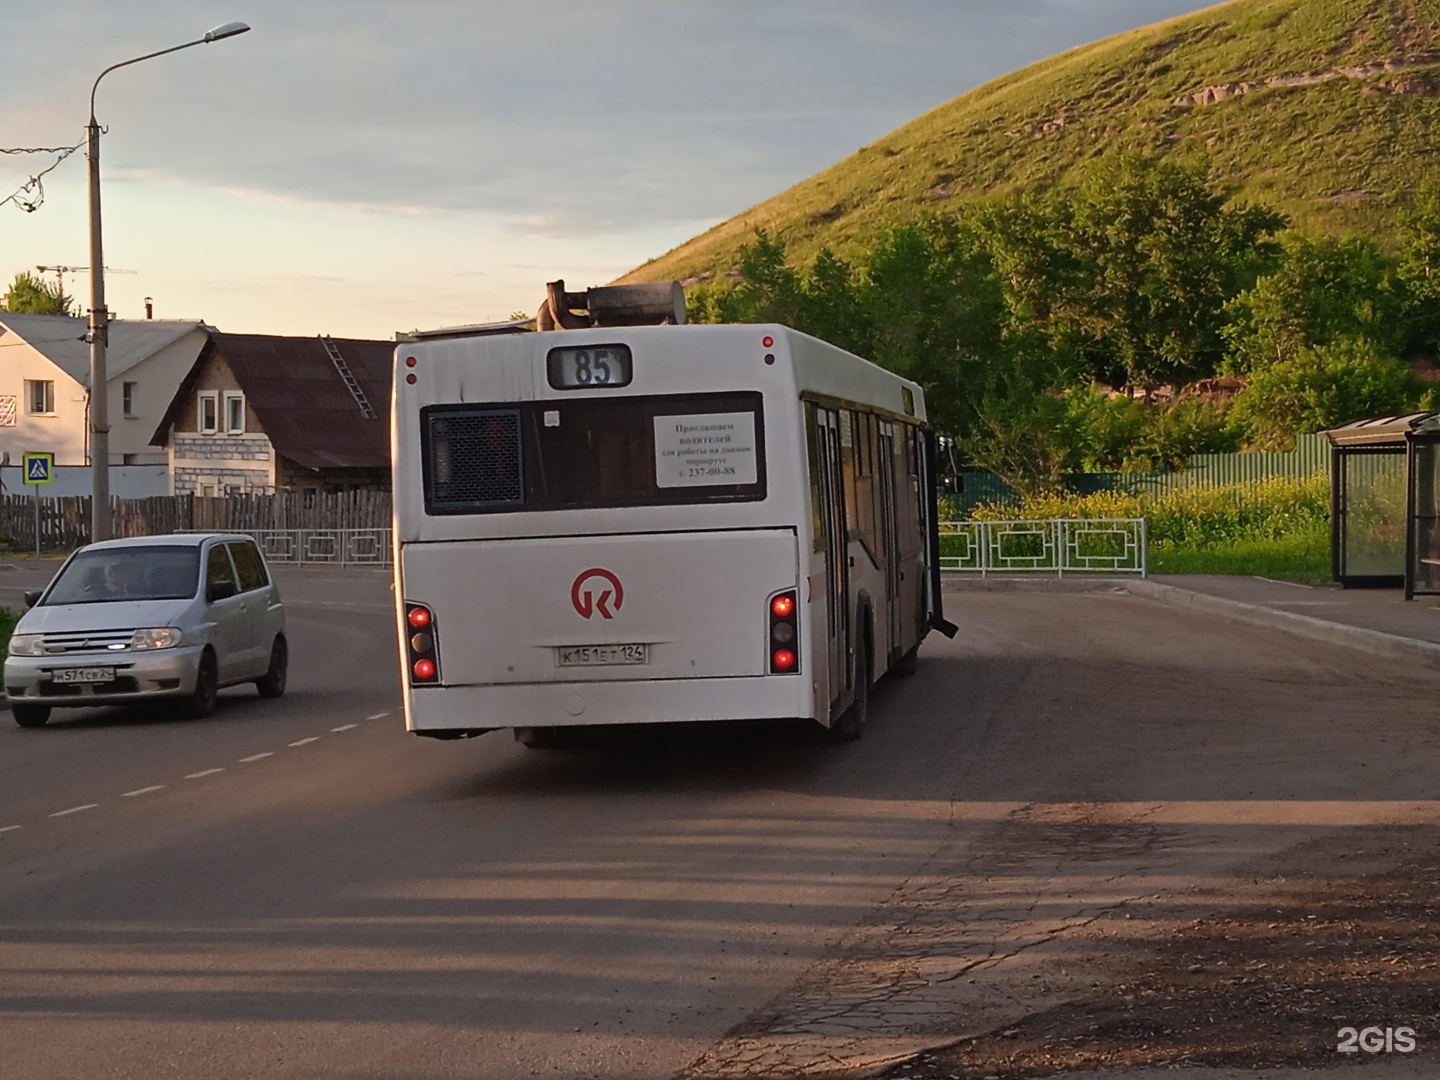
(601, 655)
(83, 675)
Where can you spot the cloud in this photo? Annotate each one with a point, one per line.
(597, 117)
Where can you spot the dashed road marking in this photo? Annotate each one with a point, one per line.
(203, 772)
(378, 716)
(75, 809)
(257, 757)
(302, 742)
(142, 791)
(344, 727)
(9, 828)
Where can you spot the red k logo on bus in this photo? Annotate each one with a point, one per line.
(588, 600)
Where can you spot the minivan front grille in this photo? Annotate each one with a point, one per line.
(90, 641)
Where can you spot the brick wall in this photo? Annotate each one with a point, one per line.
(220, 461)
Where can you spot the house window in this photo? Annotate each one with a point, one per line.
(40, 397)
(234, 413)
(127, 398)
(207, 419)
(127, 459)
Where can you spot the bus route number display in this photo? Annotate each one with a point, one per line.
(705, 449)
(589, 367)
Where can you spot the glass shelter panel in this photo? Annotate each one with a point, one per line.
(1425, 554)
(1374, 515)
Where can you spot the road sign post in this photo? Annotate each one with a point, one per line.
(38, 469)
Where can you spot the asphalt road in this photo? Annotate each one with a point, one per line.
(298, 888)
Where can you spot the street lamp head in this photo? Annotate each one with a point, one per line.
(230, 29)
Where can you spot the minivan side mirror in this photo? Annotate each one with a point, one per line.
(33, 597)
(220, 590)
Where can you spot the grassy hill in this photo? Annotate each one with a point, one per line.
(1324, 109)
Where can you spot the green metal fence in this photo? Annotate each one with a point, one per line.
(1310, 456)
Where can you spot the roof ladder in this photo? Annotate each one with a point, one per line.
(348, 376)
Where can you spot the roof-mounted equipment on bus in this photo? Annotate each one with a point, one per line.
(652, 303)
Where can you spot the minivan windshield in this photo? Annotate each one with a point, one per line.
(144, 572)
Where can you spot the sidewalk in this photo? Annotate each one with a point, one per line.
(1377, 621)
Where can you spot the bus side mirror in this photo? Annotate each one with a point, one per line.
(33, 597)
(220, 590)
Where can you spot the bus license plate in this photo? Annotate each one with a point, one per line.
(601, 655)
(83, 675)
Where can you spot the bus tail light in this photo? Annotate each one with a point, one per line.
(784, 616)
(421, 646)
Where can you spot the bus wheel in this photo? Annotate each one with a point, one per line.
(851, 724)
(908, 664)
(538, 738)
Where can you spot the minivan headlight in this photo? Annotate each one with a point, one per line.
(165, 637)
(25, 644)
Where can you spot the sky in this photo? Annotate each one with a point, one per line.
(359, 167)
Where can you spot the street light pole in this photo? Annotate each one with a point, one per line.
(98, 333)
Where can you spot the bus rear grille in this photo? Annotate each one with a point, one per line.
(474, 458)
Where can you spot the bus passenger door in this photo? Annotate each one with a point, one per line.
(891, 540)
(831, 514)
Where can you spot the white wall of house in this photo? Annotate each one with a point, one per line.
(155, 380)
(62, 431)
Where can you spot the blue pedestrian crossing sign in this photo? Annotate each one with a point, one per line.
(39, 468)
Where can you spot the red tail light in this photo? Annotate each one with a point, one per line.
(784, 626)
(421, 644)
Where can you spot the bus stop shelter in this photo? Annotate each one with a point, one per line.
(1385, 503)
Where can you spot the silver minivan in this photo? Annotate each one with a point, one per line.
(128, 621)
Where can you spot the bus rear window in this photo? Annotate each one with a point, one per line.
(593, 452)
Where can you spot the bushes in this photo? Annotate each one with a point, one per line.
(1199, 518)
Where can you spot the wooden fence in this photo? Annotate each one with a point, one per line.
(65, 522)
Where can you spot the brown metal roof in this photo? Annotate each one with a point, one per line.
(307, 410)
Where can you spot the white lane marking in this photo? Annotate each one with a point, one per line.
(344, 727)
(378, 716)
(203, 772)
(1292, 584)
(75, 809)
(302, 742)
(142, 791)
(9, 828)
(257, 757)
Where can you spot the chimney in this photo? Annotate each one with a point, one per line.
(149, 308)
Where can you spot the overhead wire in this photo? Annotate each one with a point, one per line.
(30, 195)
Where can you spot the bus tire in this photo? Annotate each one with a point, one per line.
(538, 738)
(908, 664)
(851, 724)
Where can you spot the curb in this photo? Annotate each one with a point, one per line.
(1375, 642)
(1363, 639)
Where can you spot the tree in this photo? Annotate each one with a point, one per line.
(1133, 271)
(1323, 387)
(1419, 267)
(1324, 290)
(32, 295)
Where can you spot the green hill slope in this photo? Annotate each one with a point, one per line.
(1324, 109)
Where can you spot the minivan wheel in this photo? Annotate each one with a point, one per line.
(201, 703)
(30, 715)
(272, 683)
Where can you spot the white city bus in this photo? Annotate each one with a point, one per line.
(655, 523)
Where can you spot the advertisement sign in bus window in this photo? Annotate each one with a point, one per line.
(705, 449)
